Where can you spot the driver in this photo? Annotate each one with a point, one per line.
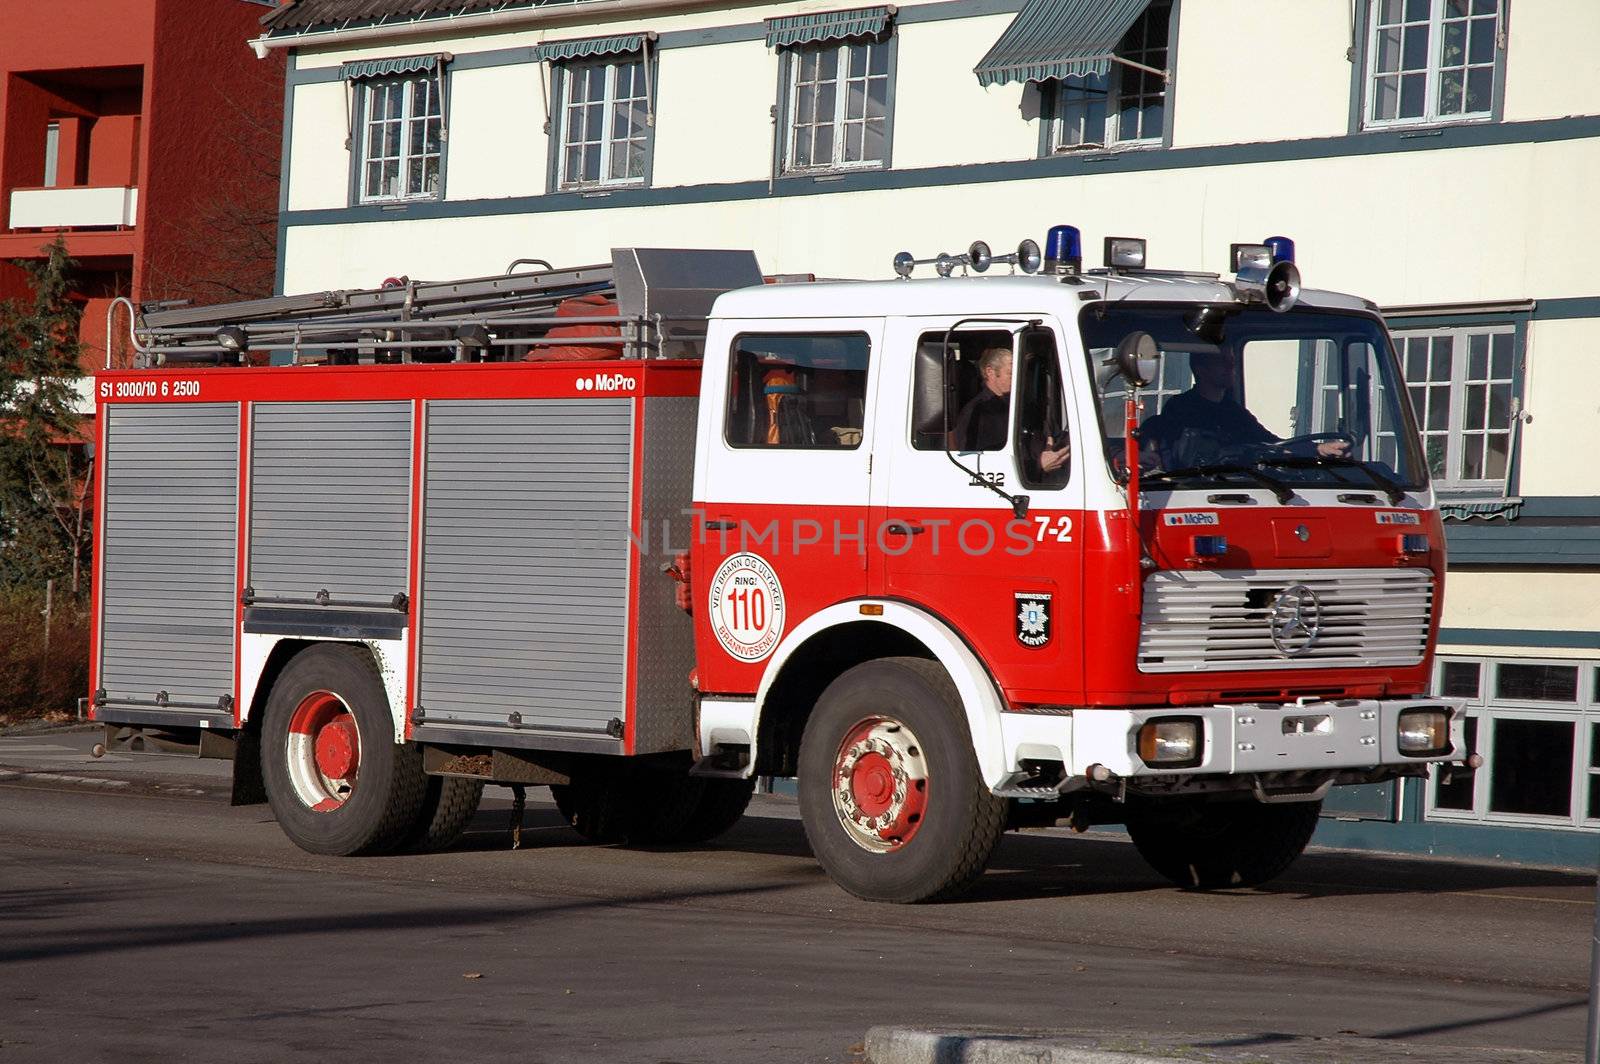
(1210, 408)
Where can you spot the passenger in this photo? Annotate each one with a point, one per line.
(982, 423)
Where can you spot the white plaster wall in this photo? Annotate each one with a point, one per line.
(1561, 429)
(497, 140)
(1424, 227)
(942, 115)
(319, 165)
(1550, 63)
(713, 114)
(1249, 71)
(1561, 602)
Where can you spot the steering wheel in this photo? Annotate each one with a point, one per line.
(1307, 442)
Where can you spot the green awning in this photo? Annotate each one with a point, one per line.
(589, 48)
(1486, 510)
(828, 26)
(382, 68)
(1059, 39)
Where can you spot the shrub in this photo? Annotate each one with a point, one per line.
(34, 681)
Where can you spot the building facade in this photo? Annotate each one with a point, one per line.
(144, 136)
(1432, 155)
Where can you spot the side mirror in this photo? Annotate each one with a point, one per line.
(1138, 359)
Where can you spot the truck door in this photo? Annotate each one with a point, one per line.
(992, 411)
(782, 493)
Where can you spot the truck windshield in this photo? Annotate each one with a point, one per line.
(1248, 397)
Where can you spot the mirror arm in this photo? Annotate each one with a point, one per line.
(1135, 540)
(1019, 503)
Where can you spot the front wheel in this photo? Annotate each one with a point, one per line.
(338, 782)
(890, 795)
(1212, 846)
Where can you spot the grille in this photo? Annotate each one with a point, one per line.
(1223, 620)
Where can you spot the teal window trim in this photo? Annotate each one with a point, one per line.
(1359, 55)
(356, 147)
(1467, 318)
(890, 41)
(557, 135)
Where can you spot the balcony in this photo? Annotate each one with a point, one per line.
(74, 208)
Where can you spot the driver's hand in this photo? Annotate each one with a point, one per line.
(1333, 448)
(1053, 458)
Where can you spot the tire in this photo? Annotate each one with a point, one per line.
(447, 809)
(1221, 845)
(328, 702)
(647, 807)
(599, 805)
(916, 824)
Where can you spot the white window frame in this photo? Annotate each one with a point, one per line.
(843, 77)
(1456, 430)
(1583, 714)
(572, 71)
(1110, 85)
(408, 118)
(1434, 71)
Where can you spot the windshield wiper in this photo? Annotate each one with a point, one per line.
(1391, 487)
(1278, 487)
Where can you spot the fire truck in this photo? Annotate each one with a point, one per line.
(1018, 544)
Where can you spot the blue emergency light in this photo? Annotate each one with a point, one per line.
(1280, 247)
(1063, 249)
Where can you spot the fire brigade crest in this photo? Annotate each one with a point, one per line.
(1033, 619)
(747, 606)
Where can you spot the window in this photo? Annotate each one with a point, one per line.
(401, 142)
(838, 106)
(954, 406)
(1539, 738)
(604, 124)
(52, 153)
(1044, 446)
(1430, 60)
(1463, 390)
(1126, 105)
(804, 391)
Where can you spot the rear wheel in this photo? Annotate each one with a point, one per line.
(646, 806)
(1212, 846)
(447, 809)
(890, 795)
(338, 782)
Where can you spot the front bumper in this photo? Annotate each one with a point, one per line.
(1248, 738)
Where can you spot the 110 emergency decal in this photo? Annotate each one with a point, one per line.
(747, 607)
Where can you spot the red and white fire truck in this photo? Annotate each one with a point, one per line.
(992, 549)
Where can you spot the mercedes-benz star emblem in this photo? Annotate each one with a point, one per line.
(1295, 620)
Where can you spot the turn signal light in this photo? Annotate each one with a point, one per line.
(1172, 742)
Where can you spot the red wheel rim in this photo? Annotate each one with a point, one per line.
(880, 784)
(324, 751)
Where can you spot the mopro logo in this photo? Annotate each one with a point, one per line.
(607, 382)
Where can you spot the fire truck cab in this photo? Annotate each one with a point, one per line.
(962, 554)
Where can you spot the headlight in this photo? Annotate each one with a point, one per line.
(1172, 742)
(1424, 732)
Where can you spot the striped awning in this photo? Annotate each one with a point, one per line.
(1486, 509)
(828, 26)
(1059, 39)
(382, 68)
(589, 47)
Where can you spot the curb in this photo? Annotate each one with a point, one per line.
(901, 1045)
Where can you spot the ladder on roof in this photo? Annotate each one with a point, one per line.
(660, 298)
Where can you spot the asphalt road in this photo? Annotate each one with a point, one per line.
(153, 922)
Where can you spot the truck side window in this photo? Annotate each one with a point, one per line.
(1044, 446)
(798, 391)
(955, 409)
